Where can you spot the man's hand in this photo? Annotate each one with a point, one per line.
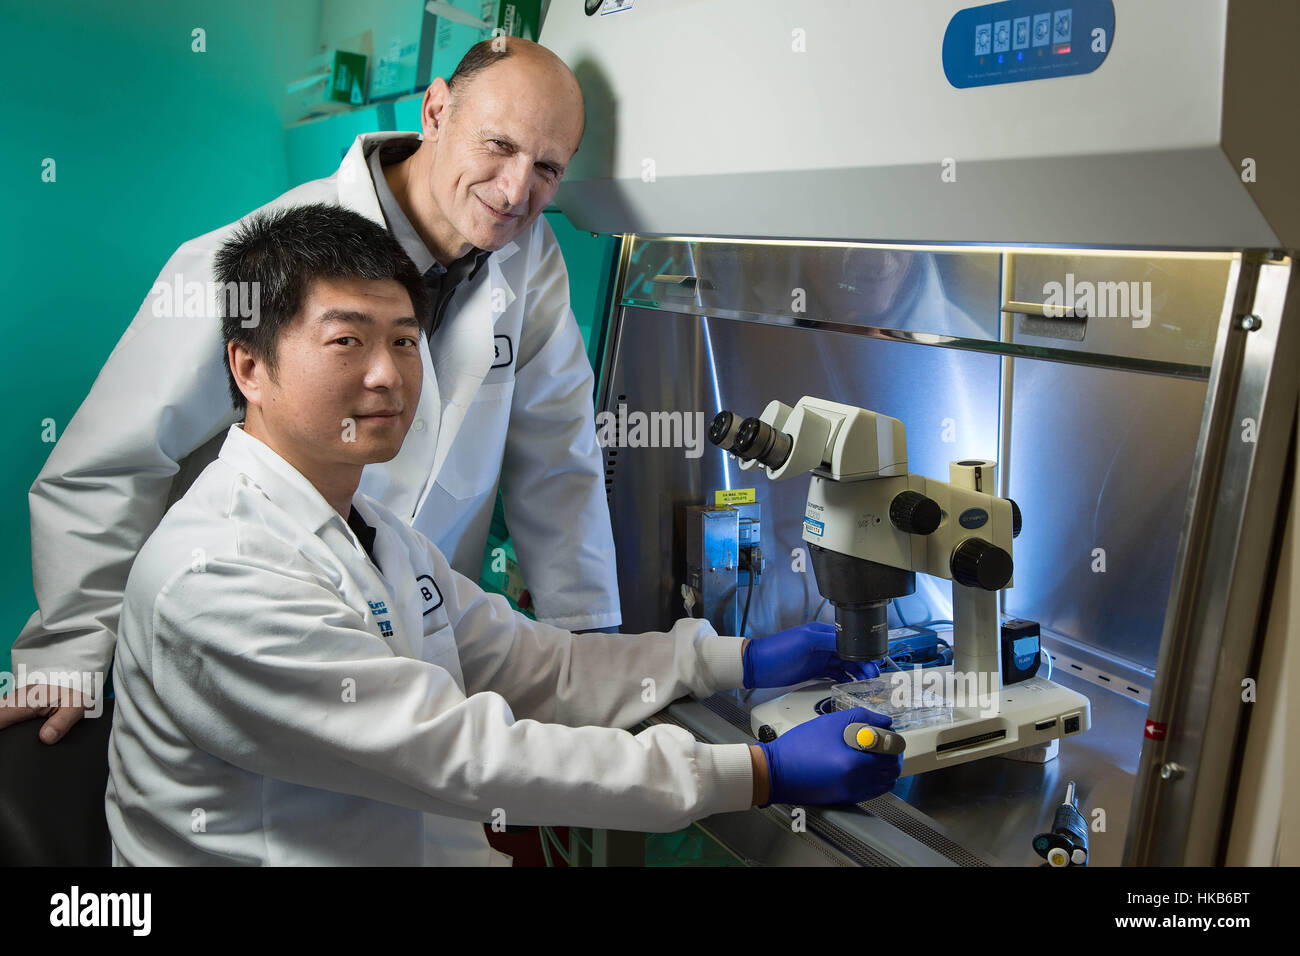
(62, 705)
(812, 764)
(806, 652)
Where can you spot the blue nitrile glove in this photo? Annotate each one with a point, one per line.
(806, 652)
(811, 763)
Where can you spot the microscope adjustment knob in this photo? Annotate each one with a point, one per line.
(1016, 519)
(978, 564)
(913, 513)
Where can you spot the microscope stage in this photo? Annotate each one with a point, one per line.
(1029, 713)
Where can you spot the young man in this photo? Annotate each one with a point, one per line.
(302, 678)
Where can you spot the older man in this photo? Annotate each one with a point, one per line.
(506, 399)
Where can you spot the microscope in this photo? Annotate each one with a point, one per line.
(870, 526)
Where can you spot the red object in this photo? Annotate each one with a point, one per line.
(525, 845)
(1155, 730)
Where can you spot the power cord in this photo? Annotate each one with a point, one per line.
(749, 593)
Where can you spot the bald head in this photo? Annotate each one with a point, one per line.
(529, 63)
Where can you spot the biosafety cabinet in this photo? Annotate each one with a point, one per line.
(1055, 236)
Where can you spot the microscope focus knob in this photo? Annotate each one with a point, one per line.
(913, 513)
(1016, 519)
(978, 564)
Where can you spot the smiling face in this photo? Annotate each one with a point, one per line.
(345, 385)
(499, 146)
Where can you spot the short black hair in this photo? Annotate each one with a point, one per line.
(274, 256)
(479, 57)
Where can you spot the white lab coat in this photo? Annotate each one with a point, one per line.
(282, 701)
(507, 398)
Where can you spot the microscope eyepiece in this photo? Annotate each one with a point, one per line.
(758, 440)
(723, 430)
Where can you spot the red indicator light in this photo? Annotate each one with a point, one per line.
(1063, 48)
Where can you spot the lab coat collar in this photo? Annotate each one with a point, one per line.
(356, 188)
(504, 253)
(283, 484)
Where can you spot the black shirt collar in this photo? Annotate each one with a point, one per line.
(365, 534)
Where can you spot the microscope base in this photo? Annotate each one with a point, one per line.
(1030, 713)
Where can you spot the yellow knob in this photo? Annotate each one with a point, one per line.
(866, 737)
(1058, 857)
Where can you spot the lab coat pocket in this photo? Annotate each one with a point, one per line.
(474, 461)
(439, 648)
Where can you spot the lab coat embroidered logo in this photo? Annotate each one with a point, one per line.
(429, 591)
(504, 351)
(385, 626)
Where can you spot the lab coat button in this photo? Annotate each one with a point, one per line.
(418, 424)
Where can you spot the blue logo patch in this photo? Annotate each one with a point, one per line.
(973, 518)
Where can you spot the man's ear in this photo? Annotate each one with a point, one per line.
(244, 367)
(434, 109)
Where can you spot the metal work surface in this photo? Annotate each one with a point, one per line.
(996, 806)
(977, 814)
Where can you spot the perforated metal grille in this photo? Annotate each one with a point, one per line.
(889, 811)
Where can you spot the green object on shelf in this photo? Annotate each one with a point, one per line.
(347, 78)
(519, 18)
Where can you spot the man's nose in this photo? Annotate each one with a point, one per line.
(383, 371)
(514, 182)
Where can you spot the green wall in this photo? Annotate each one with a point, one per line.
(153, 144)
